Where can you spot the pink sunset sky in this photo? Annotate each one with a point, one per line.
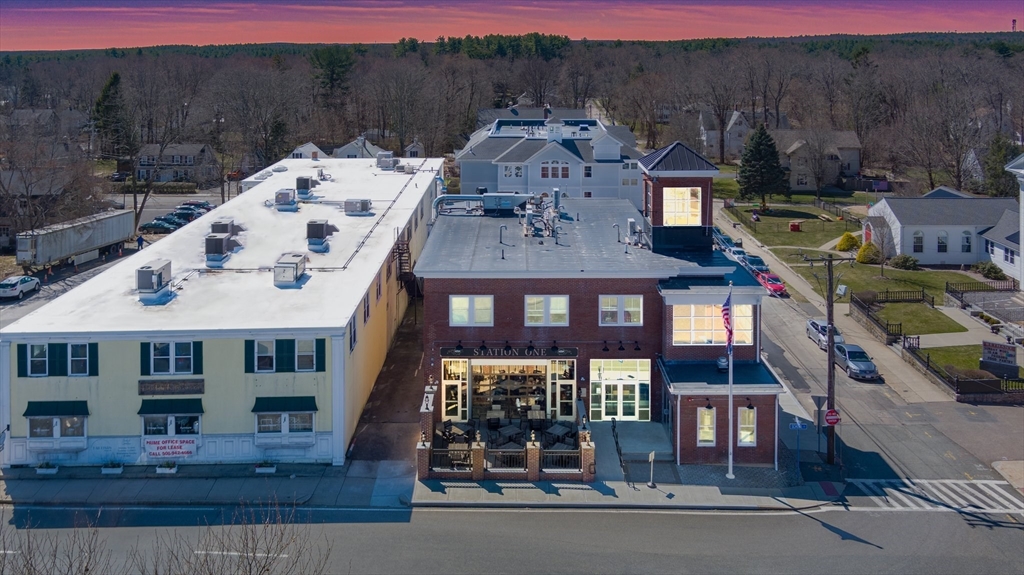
(79, 24)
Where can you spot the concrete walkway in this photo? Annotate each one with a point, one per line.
(831, 246)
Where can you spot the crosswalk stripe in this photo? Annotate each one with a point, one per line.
(984, 496)
(1001, 496)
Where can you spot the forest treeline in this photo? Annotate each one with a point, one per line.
(919, 103)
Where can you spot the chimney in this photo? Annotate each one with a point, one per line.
(153, 281)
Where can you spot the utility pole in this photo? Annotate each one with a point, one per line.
(830, 294)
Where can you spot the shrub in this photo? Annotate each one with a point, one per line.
(848, 242)
(968, 373)
(868, 297)
(989, 270)
(904, 262)
(869, 254)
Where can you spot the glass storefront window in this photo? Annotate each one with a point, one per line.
(40, 427)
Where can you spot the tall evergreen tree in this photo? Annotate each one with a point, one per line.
(761, 175)
(108, 116)
(999, 182)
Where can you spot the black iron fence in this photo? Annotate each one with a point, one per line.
(904, 296)
(892, 330)
(451, 459)
(561, 460)
(505, 459)
(960, 385)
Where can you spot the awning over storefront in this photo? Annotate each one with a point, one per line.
(56, 408)
(284, 404)
(191, 406)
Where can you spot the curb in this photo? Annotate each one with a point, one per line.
(611, 506)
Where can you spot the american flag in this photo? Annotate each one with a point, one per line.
(727, 320)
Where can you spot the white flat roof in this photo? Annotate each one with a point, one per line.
(243, 296)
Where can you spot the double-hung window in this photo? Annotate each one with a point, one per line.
(171, 358)
(547, 310)
(265, 355)
(918, 242)
(471, 310)
(705, 427)
(366, 307)
(588, 171)
(1009, 256)
(352, 334)
(37, 361)
(621, 310)
(965, 242)
(942, 242)
(305, 355)
(78, 358)
(748, 427)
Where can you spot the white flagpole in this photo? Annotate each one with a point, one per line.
(730, 475)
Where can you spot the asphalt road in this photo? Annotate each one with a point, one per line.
(525, 541)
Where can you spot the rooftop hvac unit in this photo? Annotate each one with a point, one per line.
(319, 229)
(302, 183)
(357, 207)
(401, 169)
(289, 269)
(225, 227)
(153, 277)
(386, 160)
(284, 201)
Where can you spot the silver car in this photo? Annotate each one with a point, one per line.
(817, 332)
(855, 361)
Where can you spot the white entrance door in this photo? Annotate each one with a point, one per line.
(620, 389)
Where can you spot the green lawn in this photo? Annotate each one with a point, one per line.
(793, 255)
(728, 168)
(773, 229)
(962, 356)
(725, 188)
(919, 319)
(861, 277)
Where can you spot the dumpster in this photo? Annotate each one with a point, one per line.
(794, 225)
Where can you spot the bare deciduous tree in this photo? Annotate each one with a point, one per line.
(719, 91)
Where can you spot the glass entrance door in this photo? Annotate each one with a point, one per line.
(561, 389)
(620, 389)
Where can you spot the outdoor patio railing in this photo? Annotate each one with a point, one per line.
(505, 459)
(561, 460)
(451, 459)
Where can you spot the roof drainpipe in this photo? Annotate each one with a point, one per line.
(501, 237)
(618, 235)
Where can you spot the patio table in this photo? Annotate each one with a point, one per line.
(510, 431)
(558, 430)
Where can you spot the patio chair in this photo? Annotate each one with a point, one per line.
(446, 430)
(493, 424)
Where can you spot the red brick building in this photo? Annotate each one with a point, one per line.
(590, 310)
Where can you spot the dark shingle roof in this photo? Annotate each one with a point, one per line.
(676, 157)
(1006, 232)
(946, 192)
(623, 134)
(523, 150)
(172, 149)
(949, 211)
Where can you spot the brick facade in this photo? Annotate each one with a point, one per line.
(654, 196)
(686, 407)
(583, 331)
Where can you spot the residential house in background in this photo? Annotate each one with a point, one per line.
(358, 148)
(1002, 243)
(1016, 167)
(947, 192)
(942, 230)
(581, 158)
(27, 198)
(738, 126)
(485, 117)
(179, 163)
(414, 150)
(309, 150)
(161, 358)
(843, 152)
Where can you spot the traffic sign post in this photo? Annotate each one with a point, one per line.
(819, 402)
(832, 418)
(651, 482)
(797, 426)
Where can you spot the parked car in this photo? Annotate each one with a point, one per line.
(118, 176)
(178, 222)
(197, 209)
(199, 204)
(235, 175)
(187, 215)
(756, 264)
(736, 254)
(816, 331)
(157, 227)
(18, 286)
(773, 283)
(855, 361)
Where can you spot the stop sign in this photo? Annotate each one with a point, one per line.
(831, 417)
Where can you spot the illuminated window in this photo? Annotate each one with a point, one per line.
(547, 310)
(622, 310)
(681, 207)
(703, 325)
(471, 310)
